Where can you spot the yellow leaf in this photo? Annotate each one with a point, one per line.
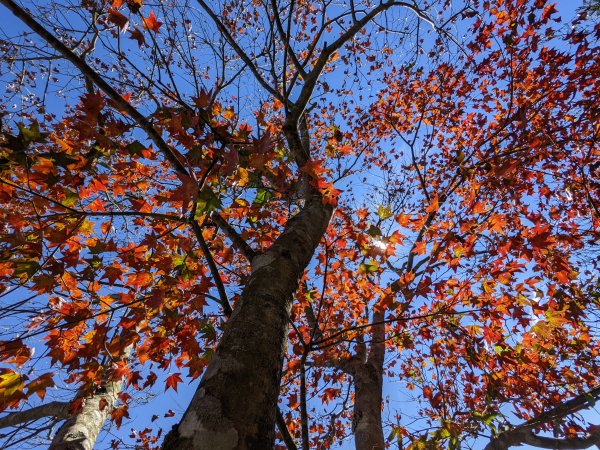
(244, 178)
(556, 319)
(10, 383)
(384, 212)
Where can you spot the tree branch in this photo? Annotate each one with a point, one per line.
(285, 37)
(243, 56)
(172, 155)
(287, 438)
(517, 437)
(59, 410)
(523, 434)
(238, 242)
(593, 438)
(312, 77)
(213, 268)
(377, 345)
(285, 433)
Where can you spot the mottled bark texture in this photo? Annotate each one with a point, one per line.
(236, 402)
(368, 431)
(80, 431)
(368, 391)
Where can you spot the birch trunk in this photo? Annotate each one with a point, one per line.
(80, 431)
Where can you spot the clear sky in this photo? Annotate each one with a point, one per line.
(157, 401)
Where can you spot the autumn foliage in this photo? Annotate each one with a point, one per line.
(453, 144)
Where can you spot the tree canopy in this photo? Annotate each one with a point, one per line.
(376, 220)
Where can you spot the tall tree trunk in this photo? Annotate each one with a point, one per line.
(368, 391)
(80, 430)
(235, 404)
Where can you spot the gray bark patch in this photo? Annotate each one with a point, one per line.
(207, 427)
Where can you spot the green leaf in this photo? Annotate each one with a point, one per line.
(368, 267)
(71, 198)
(391, 436)
(31, 134)
(25, 267)
(179, 260)
(262, 197)
(310, 295)
(453, 443)
(486, 419)
(207, 201)
(95, 262)
(445, 433)
(135, 148)
(489, 418)
(374, 231)
(209, 332)
(419, 444)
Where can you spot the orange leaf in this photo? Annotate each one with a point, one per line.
(151, 23)
(40, 384)
(14, 352)
(433, 206)
(173, 380)
(139, 280)
(118, 19)
(294, 365)
(314, 168)
(427, 392)
(117, 415)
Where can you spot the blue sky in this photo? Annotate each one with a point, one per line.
(158, 402)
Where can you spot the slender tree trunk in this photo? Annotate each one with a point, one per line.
(236, 402)
(368, 392)
(80, 431)
(368, 430)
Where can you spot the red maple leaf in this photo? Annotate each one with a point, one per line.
(172, 381)
(40, 384)
(138, 36)
(151, 23)
(117, 415)
(118, 19)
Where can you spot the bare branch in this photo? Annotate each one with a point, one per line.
(59, 410)
(285, 37)
(240, 52)
(312, 77)
(524, 433)
(213, 268)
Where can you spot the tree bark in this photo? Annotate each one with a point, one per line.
(368, 430)
(368, 392)
(58, 410)
(524, 433)
(80, 430)
(235, 404)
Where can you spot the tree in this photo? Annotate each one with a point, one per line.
(161, 215)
